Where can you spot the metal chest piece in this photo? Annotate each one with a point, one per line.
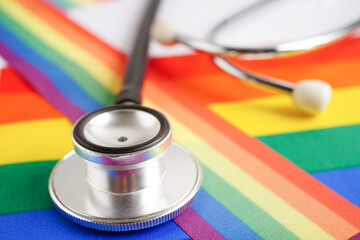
(125, 173)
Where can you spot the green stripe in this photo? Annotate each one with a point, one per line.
(253, 216)
(84, 79)
(24, 186)
(319, 150)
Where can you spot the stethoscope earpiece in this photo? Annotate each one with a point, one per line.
(164, 32)
(312, 96)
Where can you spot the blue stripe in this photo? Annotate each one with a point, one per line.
(343, 181)
(49, 224)
(221, 219)
(57, 76)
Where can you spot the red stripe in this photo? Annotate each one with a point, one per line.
(196, 227)
(13, 82)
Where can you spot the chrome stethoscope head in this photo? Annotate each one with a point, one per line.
(125, 173)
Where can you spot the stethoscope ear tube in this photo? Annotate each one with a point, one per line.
(311, 96)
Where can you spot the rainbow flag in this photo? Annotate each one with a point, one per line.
(266, 165)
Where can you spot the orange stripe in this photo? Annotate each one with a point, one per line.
(218, 87)
(234, 150)
(14, 107)
(108, 55)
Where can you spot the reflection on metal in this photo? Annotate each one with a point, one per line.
(116, 198)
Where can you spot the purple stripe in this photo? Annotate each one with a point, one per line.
(355, 237)
(42, 84)
(196, 227)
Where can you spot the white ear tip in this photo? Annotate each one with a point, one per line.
(164, 32)
(312, 96)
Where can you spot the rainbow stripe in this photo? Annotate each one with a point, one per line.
(249, 190)
(72, 3)
(75, 72)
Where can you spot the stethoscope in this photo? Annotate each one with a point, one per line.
(125, 172)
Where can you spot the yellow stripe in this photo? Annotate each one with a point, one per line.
(244, 183)
(274, 115)
(59, 42)
(35, 140)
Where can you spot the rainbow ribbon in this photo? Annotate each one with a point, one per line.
(59, 71)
